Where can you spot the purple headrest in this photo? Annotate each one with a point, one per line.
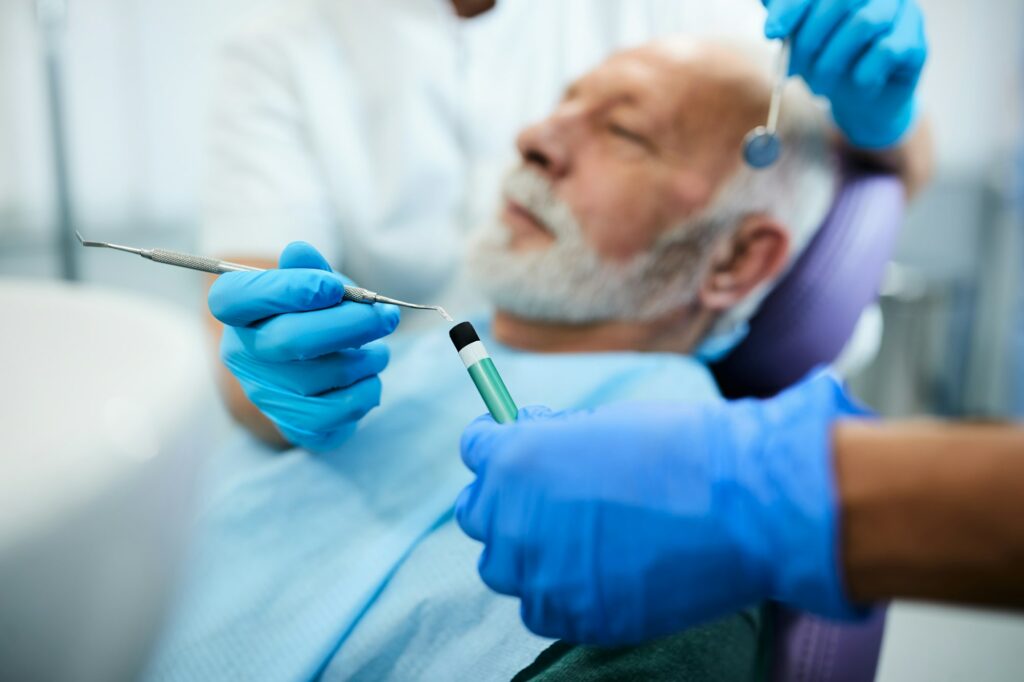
(810, 314)
(810, 648)
(806, 321)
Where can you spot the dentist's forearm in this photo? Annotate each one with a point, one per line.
(932, 511)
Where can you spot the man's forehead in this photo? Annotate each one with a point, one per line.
(638, 72)
(677, 67)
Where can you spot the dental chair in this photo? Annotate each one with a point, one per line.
(805, 322)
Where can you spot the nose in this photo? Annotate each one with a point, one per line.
(546, 146)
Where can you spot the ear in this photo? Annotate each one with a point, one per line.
(754, 254)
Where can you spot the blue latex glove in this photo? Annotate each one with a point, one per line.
(633, 521)
(865, 56)
(299, 355)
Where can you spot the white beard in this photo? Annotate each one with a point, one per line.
(569, 281)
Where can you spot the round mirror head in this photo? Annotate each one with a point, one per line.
(761, 148)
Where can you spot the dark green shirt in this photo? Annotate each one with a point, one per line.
(735, 648)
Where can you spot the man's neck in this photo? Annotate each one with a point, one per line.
(678, 332)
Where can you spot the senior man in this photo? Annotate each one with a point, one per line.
(654, 249)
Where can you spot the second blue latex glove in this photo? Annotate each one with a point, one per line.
(298, 350)
(865, 56)
(633, 521)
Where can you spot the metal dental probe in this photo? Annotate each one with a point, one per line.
(219, 267)
(761, 146)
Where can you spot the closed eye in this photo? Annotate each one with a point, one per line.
(630, 135)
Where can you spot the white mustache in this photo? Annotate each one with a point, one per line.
(533, 192)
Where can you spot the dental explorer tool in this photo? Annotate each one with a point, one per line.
(762, 146)
(219, 267)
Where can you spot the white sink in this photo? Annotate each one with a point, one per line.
(105, 406)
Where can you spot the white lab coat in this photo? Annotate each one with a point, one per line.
(378, 130)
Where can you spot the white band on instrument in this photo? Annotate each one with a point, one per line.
(473, 353)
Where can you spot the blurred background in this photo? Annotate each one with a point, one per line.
(101, 127)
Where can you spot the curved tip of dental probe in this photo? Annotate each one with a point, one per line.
(761, 148)
(86, 242)
(405, 304)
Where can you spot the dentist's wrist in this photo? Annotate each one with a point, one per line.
(802, 507)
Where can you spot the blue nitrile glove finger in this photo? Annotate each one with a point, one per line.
(303, 255)
(313, 376)
(865, 56)
(317, 423)
(241, 298)
(633, 521)
(835, 53)
(900, 54)
(784, 16)
(298, 351)
(494, 561)
(476, 440)
(315, 333)
(470, 445)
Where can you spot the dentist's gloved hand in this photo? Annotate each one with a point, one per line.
(865, 56)
(633, 521)
(300, 353)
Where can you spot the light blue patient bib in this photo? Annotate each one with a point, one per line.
(348, 564)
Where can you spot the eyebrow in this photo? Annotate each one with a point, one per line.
(630, 97)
